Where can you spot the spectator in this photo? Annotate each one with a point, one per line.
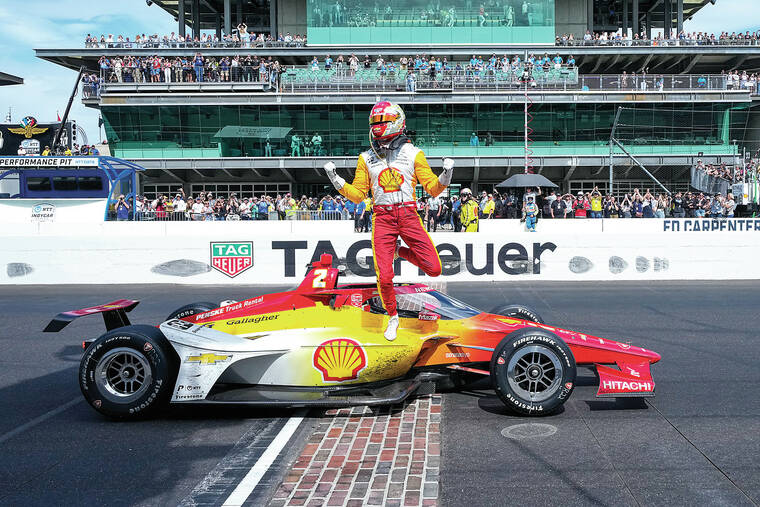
(596, 203)
(581, 205)
(122, 209)
(474, 141)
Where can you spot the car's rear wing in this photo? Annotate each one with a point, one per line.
(114, 315)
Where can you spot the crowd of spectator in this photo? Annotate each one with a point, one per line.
(242, 38)
(436, 213)
(749, 171)
(187, 69)
(238, 68)
(239, 38)
(62, 151)
(637, 205)
(682, 38)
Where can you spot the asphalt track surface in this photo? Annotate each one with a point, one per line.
(695, 443)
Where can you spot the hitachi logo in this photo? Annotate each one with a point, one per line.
(628, 386)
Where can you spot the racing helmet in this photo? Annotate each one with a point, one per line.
(386, 121)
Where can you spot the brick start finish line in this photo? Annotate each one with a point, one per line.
(385, 457)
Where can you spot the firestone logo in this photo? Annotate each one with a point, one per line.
(231, 258)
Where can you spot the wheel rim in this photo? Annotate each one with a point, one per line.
(535, 373)
(123, 375)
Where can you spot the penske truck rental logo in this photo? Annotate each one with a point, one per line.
(231, 258)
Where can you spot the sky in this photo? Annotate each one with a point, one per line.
(65, 23)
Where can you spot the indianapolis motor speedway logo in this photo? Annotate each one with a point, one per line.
(231, 258)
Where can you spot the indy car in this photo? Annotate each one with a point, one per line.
(322, 345)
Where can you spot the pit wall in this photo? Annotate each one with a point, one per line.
(181, 252)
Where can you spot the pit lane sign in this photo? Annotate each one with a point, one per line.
(231, 258)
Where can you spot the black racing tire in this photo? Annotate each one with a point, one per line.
(129, 373)
(533, 371)
(191, 309)
(519, 312)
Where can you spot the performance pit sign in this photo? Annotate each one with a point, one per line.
(48, 162)
(231, 258)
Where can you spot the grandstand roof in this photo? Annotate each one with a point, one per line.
(10, 79)
(210, 10)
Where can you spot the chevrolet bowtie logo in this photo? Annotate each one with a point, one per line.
(209, 358)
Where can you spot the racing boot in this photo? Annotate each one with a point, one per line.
(392, 329)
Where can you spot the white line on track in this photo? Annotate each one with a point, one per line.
(257, 471)
(37, 420)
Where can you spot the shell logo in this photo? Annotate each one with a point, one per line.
(340, 359)
(390, 180)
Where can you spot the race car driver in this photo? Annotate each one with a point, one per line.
(470, 209)
(391, 169)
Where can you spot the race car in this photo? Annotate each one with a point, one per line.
(322, 345)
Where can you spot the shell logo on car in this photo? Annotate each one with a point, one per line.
(340, 359)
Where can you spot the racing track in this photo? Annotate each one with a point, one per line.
(695, 443)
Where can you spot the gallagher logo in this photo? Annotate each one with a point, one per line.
(231, 258)
(340, 359)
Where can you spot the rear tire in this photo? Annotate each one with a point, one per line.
(533, 371)
(129, 373)
(191, 309)
(518, 312)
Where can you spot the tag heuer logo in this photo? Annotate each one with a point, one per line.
(232, 258)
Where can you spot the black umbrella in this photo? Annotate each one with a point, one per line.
(527, 180)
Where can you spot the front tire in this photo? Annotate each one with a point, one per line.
(518, 312)
(129, 373)
(533, 371)
(191, 309)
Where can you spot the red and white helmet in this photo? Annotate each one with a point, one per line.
(386, 121)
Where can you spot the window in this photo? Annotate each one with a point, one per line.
(90, 183)
(38, 184)
(65, 183)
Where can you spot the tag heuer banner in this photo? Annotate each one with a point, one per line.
(30, 135)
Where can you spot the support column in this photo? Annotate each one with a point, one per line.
(625, 18)
(239, 11)
(227, 17)
(635, 26)
(649, 25)
(219, 26)
(667, 19)
(181, 17)
(273, 18)
(679, 16)
(196, 18)
(590, 14)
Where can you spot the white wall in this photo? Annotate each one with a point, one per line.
(123, 252)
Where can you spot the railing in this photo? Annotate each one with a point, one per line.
(657, 42)
(294, 80)
(211, 216)
(249, 44)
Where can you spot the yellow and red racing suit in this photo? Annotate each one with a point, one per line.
(392, 178)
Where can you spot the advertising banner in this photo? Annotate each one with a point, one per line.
(243, 253)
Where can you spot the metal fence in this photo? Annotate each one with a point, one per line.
(189, 216)
(453, 82)
(255, 44)
(659, 42)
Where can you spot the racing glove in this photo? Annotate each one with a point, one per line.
(336, 180)
(448, 171)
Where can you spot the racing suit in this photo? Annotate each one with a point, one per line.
(469, 215)
(392, 174)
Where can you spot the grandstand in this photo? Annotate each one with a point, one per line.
(671, 98)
